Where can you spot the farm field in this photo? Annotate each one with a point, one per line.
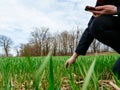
(49, 73)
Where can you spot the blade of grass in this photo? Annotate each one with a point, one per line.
(88, 75)
(40, 70)
(51, 75)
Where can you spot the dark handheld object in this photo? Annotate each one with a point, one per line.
(89, 8)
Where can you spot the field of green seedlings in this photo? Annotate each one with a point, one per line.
(49, 73)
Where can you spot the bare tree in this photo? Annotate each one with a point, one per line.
(6, 43)
(59, 45)
(95, 46)
(64, 41)
(71, 41)
(78, 34)
(38, 39)
(55, 44)
(17, 50)
(105, 48)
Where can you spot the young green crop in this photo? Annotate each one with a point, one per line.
(50, 73)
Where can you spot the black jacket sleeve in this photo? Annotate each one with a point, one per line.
(118, 10)
(117, 4)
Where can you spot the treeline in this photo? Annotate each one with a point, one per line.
(42, 41)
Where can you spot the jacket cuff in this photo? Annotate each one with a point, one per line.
(118, 10)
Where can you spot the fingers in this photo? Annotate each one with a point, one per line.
(70, 61)
(66, 65)
(99, 8)
(96, 14)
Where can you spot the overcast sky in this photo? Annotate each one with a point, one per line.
(18, 17)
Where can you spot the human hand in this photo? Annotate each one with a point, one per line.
(104, 10)
(70, 61)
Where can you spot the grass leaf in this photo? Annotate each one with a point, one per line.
(89, 73)
(40, 70)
